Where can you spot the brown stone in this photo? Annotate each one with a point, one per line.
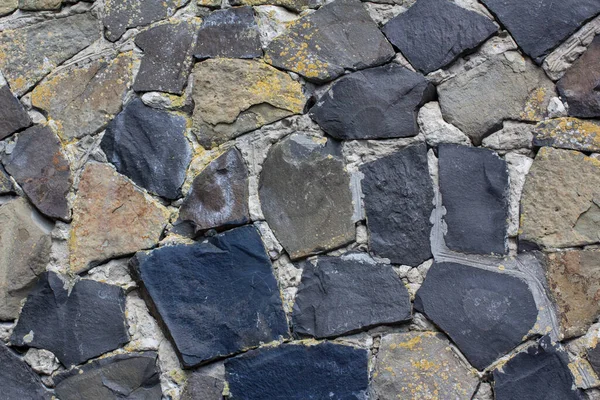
(111, 218)
(568, 133)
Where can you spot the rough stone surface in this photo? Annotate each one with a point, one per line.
(111, 218)
(17, 380)
(436, 130)
(35, 5)
(376, 103)
(539, 26)
(8, 6)
(518, 167)
(433, 33)
(320, 46)
(513, 135)
(294, 5)
(236, 96)
(200, 386)
(272, 21)
(485, 313)
(135, 142)
(39, 166)
(474, 187)
(398, 197)
(41, 361)
(540, 372)
(167, 57)
(560, 206)
(25, 252)
(568, 133)
(229, 33)
(22, 60)
(421, 365)
(78, 325)
(78, 112)
(13, 116)
(593, 356)
(322, 371)
(339, 296)
(6, 185)
(305, 195)
(226, 280)
(506, 86)
(219, 194)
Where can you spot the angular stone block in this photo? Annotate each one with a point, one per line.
(13, 116)
(17, 380)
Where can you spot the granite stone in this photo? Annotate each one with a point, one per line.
(13, 116)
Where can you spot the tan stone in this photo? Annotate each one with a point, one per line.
(569, 133)
(39, 4)
(111, 218)
(8, 6)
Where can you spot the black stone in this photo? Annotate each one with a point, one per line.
(17, 380)
(487, 314)
(342, 295)
(149, 146)
(214, 298)
(13, 116)
(398, 202)
(76, 326)
(229, 33)
(133, 376)
(593, 356)
(290, 371)
(474, 187)
(433, 33)
(538, 26)
(376, 103)
(539, 373)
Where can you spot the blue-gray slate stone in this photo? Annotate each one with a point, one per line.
(13, 116)
(17, 380)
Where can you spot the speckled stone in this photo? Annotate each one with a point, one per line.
(568, 133)
(17, 380)
(13, 116)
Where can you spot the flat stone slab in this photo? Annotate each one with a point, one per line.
(130, 376)
(215, 298)
(76, 325)
(560, 206)
(17, 380)
(290, 371)
(487, 314)
(539, 26)
(343, 295)
(13, 116)
(135, 143)
(229, 33)
(377, 103)
(305, 195)
(421, 365)
(398, 198)
(218, 197)
(475, 189)
(40, 167)
(338, 36)
(568, 133)
(434, 33)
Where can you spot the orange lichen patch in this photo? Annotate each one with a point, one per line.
(569, 133)
(535, 107)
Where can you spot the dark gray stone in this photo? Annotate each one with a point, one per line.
(487, 314)
(206, 387)
(149, 146)
(39, 166)
(342, 295)
(474, 187)
(305, 195)
(593, 356)
(376, 103)
(76, 326)
(219, 194)
(538, 26)
(320, 46)
(6, 185)
(433, 33)
(214, 298)
(398, 202)
(17, 380)
(539, 373)
(290, 371)
(229, 33)
(167, 58)
(13, 116)
(133, 376)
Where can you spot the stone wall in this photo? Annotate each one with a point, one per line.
(299, 199)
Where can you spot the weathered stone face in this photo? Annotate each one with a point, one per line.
(79, 113)
(188, 285)
(22, 60)
(111, 218)
(219, 194)
(294, 5)
(75, 325)
(34, 5)
(202, 387)
(18, 381)
(322, 371)
(236, 96)
(39, 166)
(568, 133)
(421, 365)
(560, 206)
(593, 356)
(305, 195)
(25, 253)
(6, 185)
(433, 33)
(320, 46)
(8, 6)
(13, 116)
(376, 103)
